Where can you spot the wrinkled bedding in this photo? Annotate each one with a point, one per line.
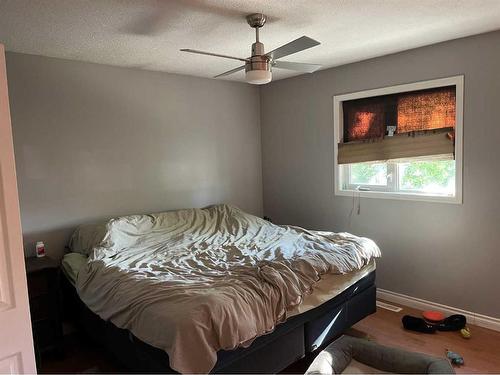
(192, 282)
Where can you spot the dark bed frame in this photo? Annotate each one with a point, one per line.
(271, 353)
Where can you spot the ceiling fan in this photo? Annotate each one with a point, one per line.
(258, 67)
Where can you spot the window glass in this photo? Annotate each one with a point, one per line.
(430, 176)
(369, 173)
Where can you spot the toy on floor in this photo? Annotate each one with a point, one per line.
(465, 332)
(455, 358)
(433, 317)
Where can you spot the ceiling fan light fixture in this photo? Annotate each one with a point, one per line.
(258, 77)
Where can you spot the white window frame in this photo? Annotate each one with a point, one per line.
(375, 191)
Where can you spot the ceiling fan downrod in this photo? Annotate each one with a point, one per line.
(256, 20)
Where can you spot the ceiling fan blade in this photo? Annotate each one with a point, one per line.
(298, 67)
(212, 54)
(230, 71)
(297, 45)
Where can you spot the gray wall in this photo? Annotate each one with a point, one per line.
(441, 252)
(93, 141)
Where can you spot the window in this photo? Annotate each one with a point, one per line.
(401, 142)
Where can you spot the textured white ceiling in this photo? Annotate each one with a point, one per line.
(148, 34)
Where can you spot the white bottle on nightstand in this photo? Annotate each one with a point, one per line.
(40, 249)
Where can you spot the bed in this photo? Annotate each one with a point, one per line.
(216, 289)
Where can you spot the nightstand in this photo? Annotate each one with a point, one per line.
(45, 305)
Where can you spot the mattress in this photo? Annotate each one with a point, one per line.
(330, 286)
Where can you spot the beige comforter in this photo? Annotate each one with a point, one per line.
(195, 281)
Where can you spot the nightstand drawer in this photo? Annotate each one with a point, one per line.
(38, 284)
(40, 308)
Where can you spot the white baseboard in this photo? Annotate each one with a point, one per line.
(421, 304)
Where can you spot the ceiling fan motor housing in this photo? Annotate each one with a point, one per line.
(258, 61)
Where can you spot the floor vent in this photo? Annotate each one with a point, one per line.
(387, 306)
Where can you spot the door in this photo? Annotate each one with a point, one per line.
(16, 341)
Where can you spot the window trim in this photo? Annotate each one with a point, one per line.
(458, 82)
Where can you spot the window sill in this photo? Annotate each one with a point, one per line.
(399, 196)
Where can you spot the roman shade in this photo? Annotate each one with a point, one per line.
(423, 123)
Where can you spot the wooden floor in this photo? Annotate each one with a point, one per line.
(481, 352)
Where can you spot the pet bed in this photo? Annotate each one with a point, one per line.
(348, 355)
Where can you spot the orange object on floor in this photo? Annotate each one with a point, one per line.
(433, 316)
